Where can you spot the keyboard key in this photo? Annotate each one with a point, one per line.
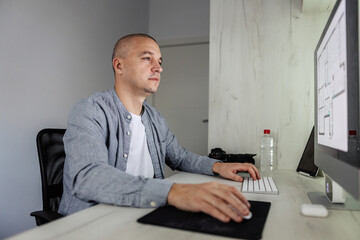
(245, 183)
(256, 186)
(261, 186)
(251, 184)
(267, 184)
(272, 184)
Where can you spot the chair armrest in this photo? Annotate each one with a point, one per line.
(43, 217)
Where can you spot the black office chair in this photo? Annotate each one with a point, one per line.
(51, 153)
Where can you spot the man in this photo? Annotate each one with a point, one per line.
(116, 146)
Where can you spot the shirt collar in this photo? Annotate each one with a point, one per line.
(123, 111)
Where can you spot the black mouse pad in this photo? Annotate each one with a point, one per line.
(172, 217)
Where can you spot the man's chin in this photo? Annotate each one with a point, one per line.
(150, 90)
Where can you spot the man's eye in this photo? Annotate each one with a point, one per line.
(147, 58)
(160, 63)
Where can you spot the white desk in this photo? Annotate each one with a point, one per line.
(284, 220)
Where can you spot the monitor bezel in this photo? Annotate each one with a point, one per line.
(335, 162)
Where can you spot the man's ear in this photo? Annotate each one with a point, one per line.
(117, 65)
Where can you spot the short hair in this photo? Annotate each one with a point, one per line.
(121, 47)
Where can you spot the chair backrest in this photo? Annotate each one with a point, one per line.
(51, 153)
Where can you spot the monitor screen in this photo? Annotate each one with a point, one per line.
(337, 96)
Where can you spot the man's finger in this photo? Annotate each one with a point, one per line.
(214, 212)
(253, 171)
(224, 206)
(230, 195)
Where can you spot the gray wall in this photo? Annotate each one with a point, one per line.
(182, 31)
(52, 53)
(179, 20)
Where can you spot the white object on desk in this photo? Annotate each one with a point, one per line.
(314, 210)
(263, 185)
(248, 217)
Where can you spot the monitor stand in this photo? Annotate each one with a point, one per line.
(320, 198)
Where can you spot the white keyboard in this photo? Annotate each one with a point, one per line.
(264, 185)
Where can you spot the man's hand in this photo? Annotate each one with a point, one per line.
(218, 200)
(229, 170)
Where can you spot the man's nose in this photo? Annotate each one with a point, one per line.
(157, 68)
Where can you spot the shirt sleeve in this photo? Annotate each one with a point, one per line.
(88, 173)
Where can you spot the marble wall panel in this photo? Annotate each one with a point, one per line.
(261, 75)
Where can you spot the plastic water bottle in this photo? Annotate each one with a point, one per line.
(267, 161)
(353, 145)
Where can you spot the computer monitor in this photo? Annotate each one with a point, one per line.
(337, 97)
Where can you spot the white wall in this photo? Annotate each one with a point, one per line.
(52, 53)
(261, 75)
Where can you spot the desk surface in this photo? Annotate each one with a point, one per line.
(284, 220)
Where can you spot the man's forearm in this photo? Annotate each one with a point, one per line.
(105, 184)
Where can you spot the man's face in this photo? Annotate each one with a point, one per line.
(141, 67)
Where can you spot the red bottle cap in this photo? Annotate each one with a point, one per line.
(267, 131)
(352, 132)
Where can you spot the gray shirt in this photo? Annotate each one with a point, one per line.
(97, 142)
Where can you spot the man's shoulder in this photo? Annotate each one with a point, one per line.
(97, 103)
(96, 99)
(100, 97)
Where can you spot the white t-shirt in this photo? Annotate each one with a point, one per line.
(139, 161)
